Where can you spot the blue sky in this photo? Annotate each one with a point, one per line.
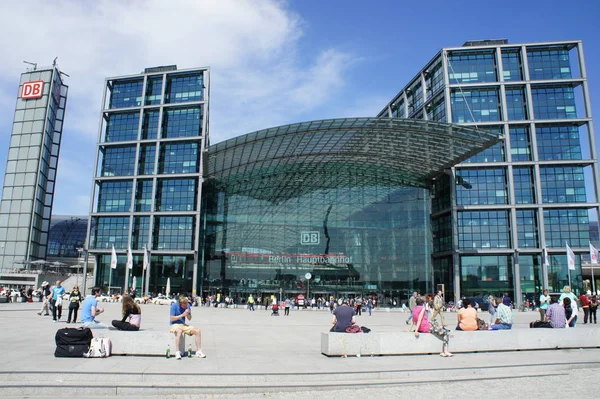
(272, 62)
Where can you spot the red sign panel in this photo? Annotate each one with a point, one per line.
(33, 89)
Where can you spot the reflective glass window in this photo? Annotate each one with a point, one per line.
(118, 161)
(111, 231)
(493, 154)
(553, 102)
(567, 225)
(516, 106)
(548, 63)
(523, 185)
(481, 187)
(184, 122)
(556, 142)
(176, 195)
(472, 66)
(520, 143)
(114, 196)
(527, 228)
(414, 97)
(153, 90)
(562, 184)
(143, 196)
(147, 158)
(484, 229)
(482, 275)
(141, 229)
(122, 126)
(434, 78)
(126, 93)
(150, 125)
(178, 158)
(441, 228)
(174, 232)
(436, 110)
(399, 109)
(512, 65)
(184, 88)
(480, 105)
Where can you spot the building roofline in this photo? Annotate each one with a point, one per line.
(139, 75)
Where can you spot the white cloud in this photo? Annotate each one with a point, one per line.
(258, 76)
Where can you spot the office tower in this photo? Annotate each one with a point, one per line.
(148, 178)
(494, 214)
(31, 168)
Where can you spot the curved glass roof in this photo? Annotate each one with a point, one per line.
(310, 155)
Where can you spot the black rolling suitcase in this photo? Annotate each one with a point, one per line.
(72, 342)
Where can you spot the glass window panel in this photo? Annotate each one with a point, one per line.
(520, 143)
(118, 161)
(553, 102)
(481, 187)
(150, 125)
(523, 185)
(126, 93)
(512, 65)
(114, 196)
(176, 195)
(184, 88)
(548, 63)
(122, 126)
(184, 122)
(527, 228)
(174, 232)
(485, 229)
(143, 196)
(567, 225)
(147, 158)
(516, 106)
(562, 184)
(480, 105)
(153, 90)
(472, 66)
(111, 231)
(178, 158)
(557, 142)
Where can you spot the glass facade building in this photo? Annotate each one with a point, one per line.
(148, 178)
(31, 167)
(493, 215)
(332, 207)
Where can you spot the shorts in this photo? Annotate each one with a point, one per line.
(185, 329)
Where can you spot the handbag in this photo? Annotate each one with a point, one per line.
(58, 301)
(353, 329)
(99, 347)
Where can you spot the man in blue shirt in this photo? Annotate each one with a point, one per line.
(90, 309)
(180, 311)
(57, 292)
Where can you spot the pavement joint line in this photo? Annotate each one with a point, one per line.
(257, 374)
(347, 384)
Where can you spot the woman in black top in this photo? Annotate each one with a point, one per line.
(74, 300)
(132, 315)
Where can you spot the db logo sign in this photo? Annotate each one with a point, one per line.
(310, 238)
(33, 89)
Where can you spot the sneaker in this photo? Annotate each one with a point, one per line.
(68, 322)
(53, 321)
(199, 354)
(39, 313)
(178, 355)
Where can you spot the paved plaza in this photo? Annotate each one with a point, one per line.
(253, 354)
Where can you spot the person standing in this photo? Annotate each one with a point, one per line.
(57, 292)
(438, 307)
(412, 302)
(593, 308)
(492, 309)
(74, 300)
(45, 299)
(544, 303)
(567, 294)
(585, 304)
(180, 311)
(370, 306)
(90, 309)
(132, 315)
(251, 303)
(288, 303)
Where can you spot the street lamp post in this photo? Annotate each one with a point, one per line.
(85, 266)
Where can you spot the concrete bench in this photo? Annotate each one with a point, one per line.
(405, 343)
(143, 342)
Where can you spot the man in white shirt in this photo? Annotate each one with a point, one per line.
(504, 318)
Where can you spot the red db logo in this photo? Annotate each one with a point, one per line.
(33, 89)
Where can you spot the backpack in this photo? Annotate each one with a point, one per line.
(100, 347)
(481, 325)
